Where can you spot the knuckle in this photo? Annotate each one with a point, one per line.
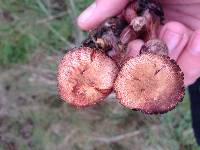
(193, 74)
(179, 26)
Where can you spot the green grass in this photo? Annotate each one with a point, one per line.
(32, 36)
(27, 25)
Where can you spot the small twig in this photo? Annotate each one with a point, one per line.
(50, 18)
(42, 7)
(65, 142)
(117, 138)
(72, 133)
(45, 10)
(69, 45)
(33, 37)
(79, 33)
(45, 22)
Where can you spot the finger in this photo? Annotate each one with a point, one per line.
(134, 47)
(186, 14)
(97, 12)
(189, 60)
(176, 36)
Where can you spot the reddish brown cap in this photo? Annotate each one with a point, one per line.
(150, 83)
(85, 76)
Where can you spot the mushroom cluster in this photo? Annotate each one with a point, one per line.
(151, 82)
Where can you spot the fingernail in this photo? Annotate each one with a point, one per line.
(172, 39)
(195, 44)
(87, 13)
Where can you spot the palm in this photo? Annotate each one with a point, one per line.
(187, 14)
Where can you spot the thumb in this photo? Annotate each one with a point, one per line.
(100, 10)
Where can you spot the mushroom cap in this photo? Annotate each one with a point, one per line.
(150, 83)
(85, 76)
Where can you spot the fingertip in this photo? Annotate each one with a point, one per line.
(84, 18)
(99, 11)
(134, 47)
(176, 36)
(189, 59)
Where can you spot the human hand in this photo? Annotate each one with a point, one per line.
(181, 31)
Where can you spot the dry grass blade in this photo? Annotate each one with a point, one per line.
(65, 142)
(73, 14)
(118, 138)
(50, 18)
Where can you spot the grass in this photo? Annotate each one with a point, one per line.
(33, 34)
(29, 25)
